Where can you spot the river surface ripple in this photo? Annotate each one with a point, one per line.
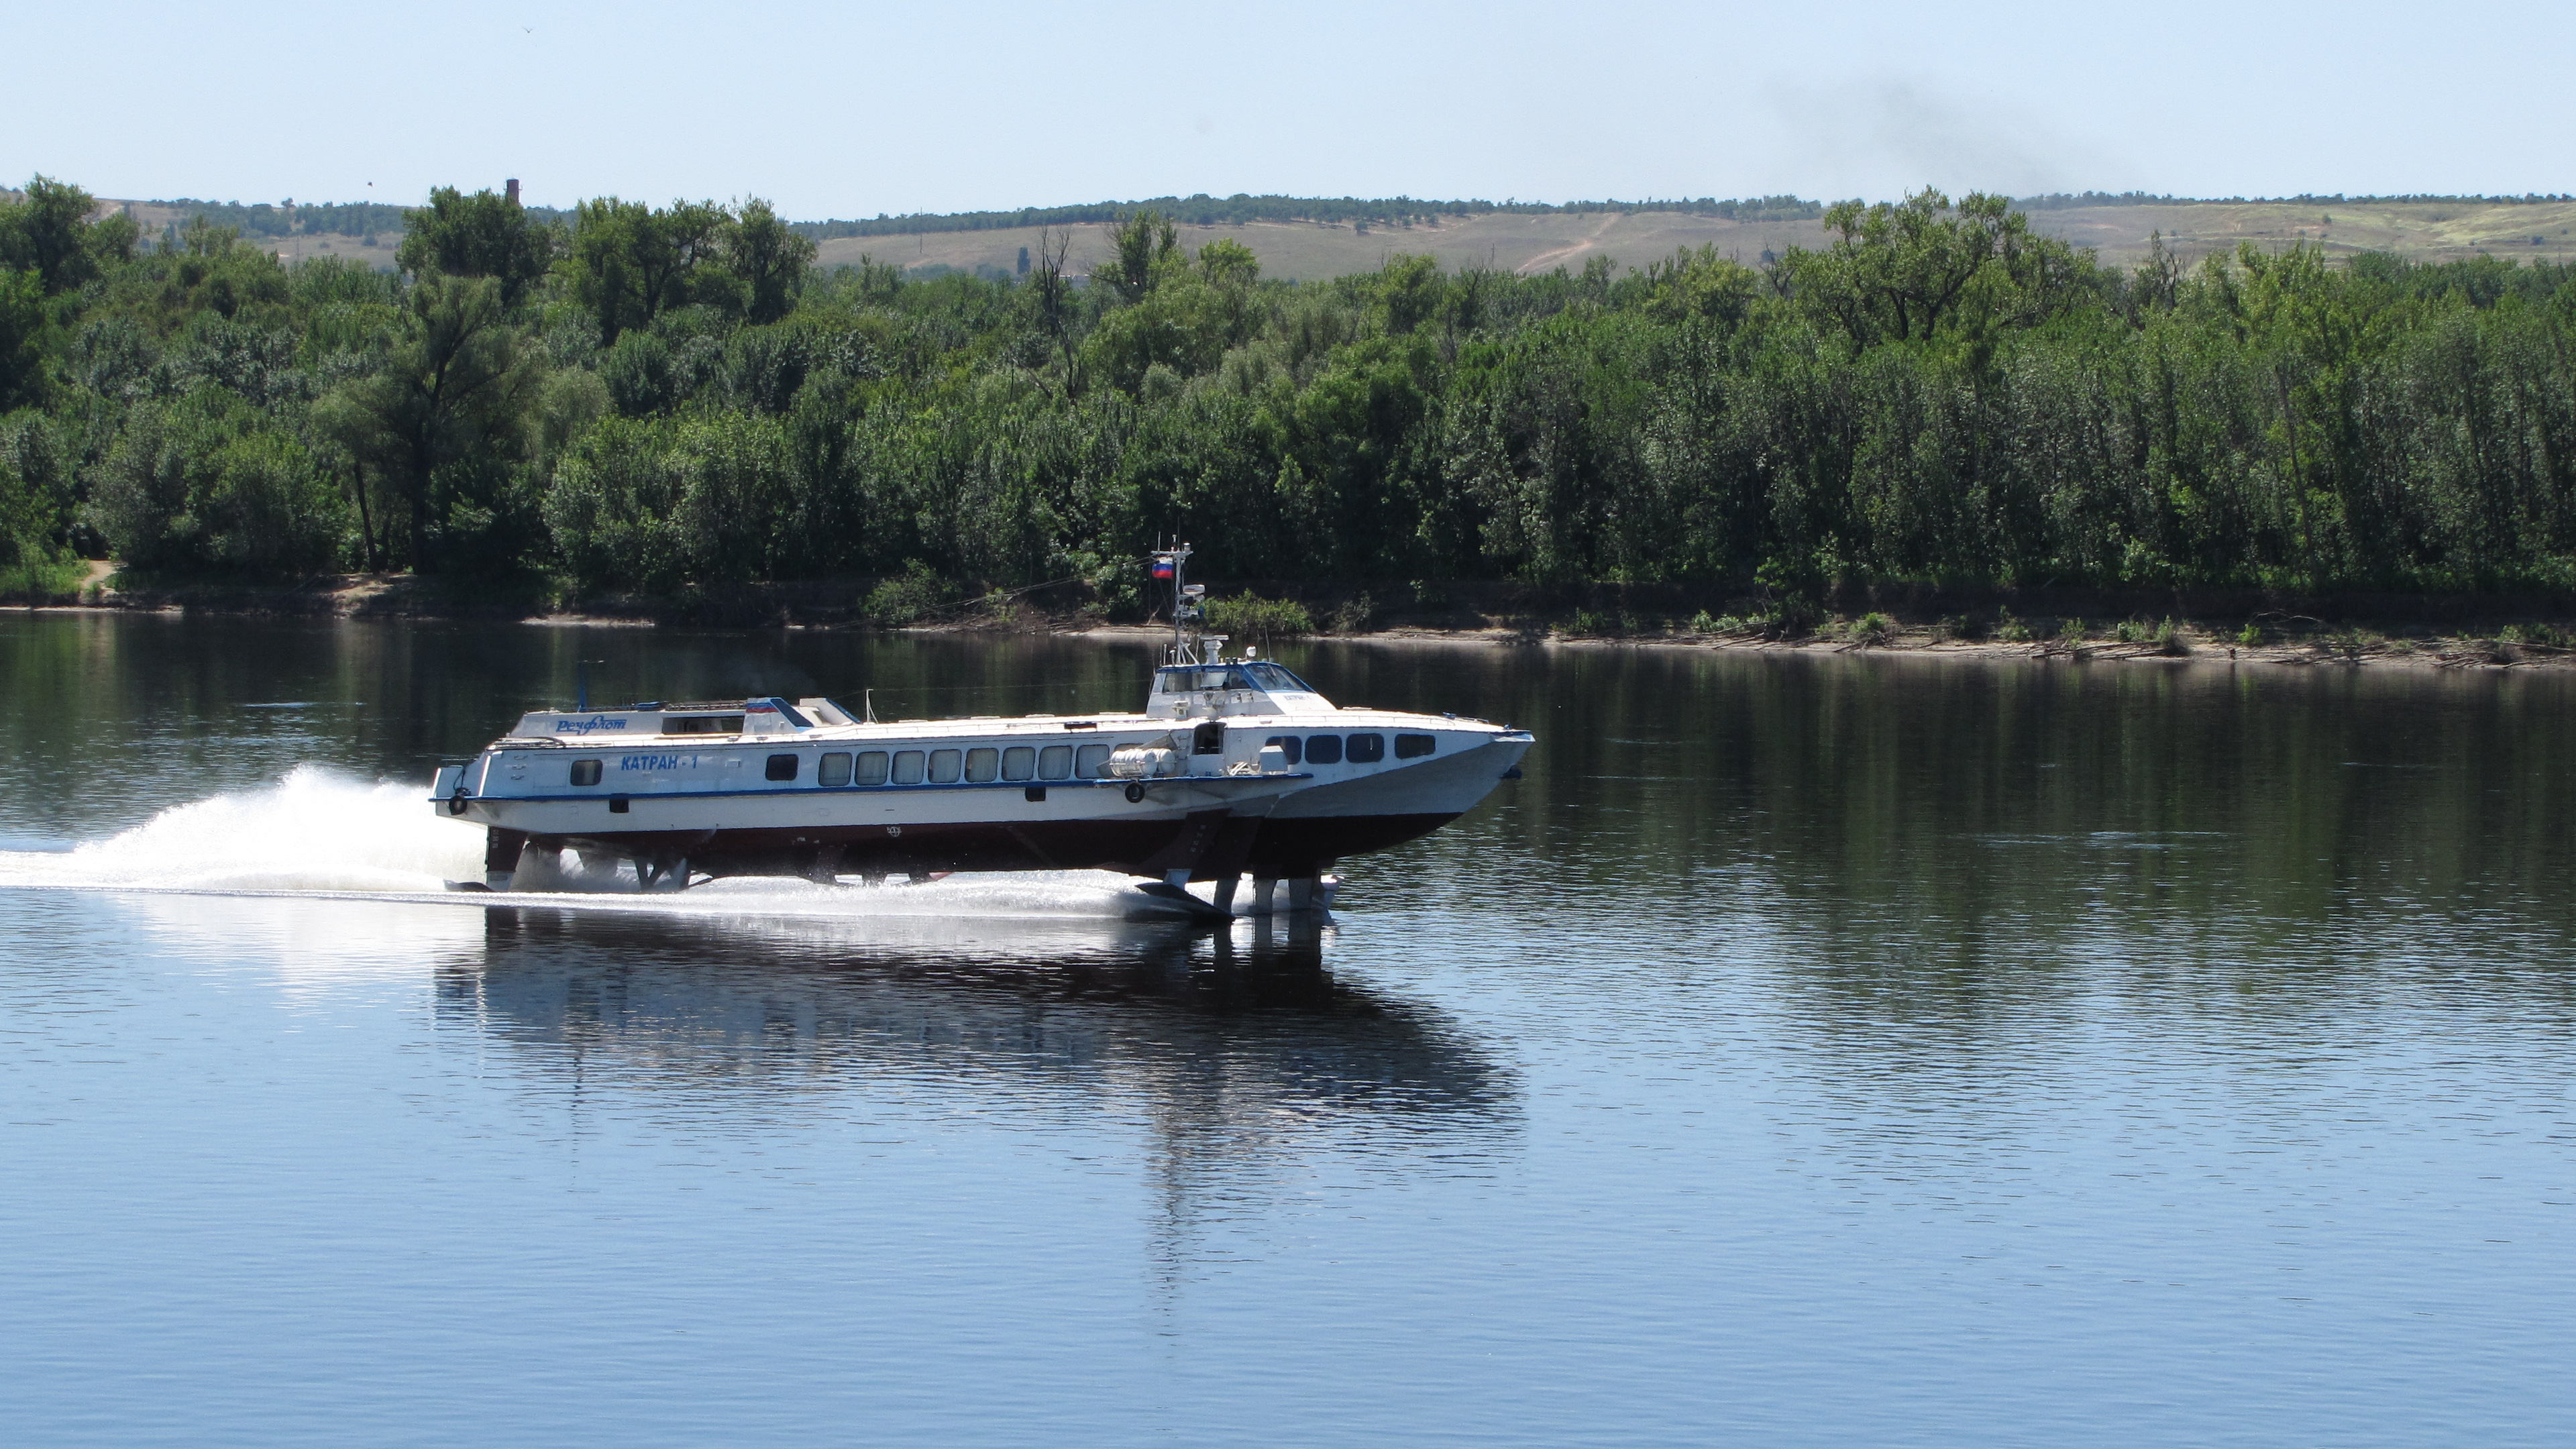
(1807, 1051)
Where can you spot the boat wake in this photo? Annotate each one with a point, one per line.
(320, 834)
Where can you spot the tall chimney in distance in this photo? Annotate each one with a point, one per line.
(513, 185)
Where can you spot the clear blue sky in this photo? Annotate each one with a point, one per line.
(853, 109)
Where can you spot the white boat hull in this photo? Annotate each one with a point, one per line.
(1234, 766)
(1200, 828)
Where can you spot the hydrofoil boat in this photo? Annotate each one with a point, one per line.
(1235, 766)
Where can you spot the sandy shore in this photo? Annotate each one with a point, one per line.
(2346, 649)
(2300, 643)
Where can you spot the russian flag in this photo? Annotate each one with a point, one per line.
(1162, 566)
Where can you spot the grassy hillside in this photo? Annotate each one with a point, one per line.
(154, 216)
(1529, 245)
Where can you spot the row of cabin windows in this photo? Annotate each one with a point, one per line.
(1360, 749)
(988, 763)
(978, 766)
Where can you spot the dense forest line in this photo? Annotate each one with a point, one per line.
(674, 398)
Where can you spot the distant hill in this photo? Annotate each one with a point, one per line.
(1359, 213)
(1535, 241)
(1313, 238)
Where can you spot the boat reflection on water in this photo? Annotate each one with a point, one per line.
(1236, 1053)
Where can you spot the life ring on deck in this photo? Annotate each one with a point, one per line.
(1135, 793)
(456, 802)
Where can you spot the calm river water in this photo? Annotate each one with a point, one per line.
(1849, 1050)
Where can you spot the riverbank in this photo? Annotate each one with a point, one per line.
(2470, 633)
(2347, 647)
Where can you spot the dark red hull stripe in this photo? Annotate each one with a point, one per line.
(1285, 848)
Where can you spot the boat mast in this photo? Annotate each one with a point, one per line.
(1186, 612)
(1180, 558)
(1189, 645)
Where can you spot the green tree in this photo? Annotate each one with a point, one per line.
(1700, 284)
(766, 262)
(1053, 306)
(483, 235)
(1408, 290)
(457, 382)
(270, 511)
(631, 262)
(25, 327)
(50, 233)
(35, 489)
(211, 484)
(611, 506)
(1907, 271)
(1226, 262)
(1147, 247)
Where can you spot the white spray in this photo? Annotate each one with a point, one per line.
(322, 833)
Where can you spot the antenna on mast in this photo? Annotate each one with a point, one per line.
(1173, 563)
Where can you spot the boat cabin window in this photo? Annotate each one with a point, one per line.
(872, 768)
(1208, 738)
(833, 769)
(907, 767)
(1289, 745)
(1055, 762)
(702, 724)
(585, 772)
(1409, 747)
(943, 766)
(1252, 674)
(1265, 675)
(1367, 749)
(1087, 765)
(983, 766)
(1019, 762)
(1324, 749)
(782, 767)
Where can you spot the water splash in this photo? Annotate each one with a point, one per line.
(314, 830)
(317, 832)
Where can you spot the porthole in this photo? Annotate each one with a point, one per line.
(782, 767)
(907, 767)
(1019, 762)
(1367, 749)
(872, 768)
(585, 772)
(1414, 747)
(1323, 749)
(983, 766)
(832, 769)
(1055, 762)
(944, 766)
